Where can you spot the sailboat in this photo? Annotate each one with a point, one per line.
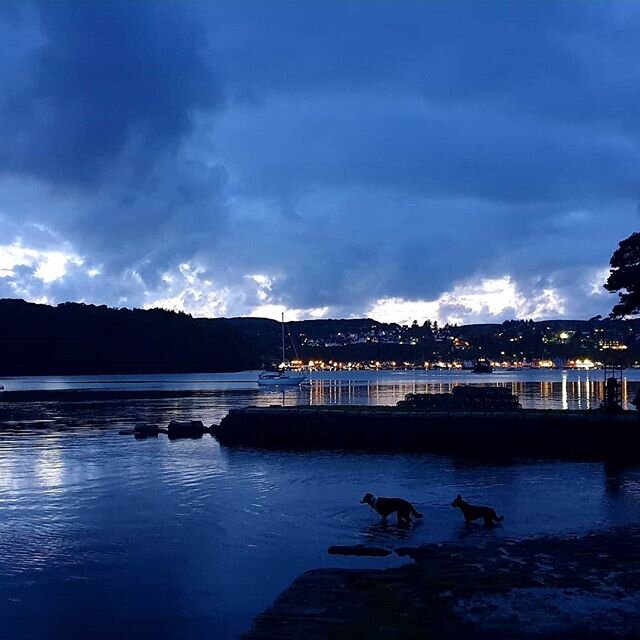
(284, 377)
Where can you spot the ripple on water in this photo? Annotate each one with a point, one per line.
(223, 531)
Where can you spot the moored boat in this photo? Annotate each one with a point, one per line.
(283, 377)
(482, 365)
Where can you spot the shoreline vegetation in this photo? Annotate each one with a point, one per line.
(573, 587)
(81, 339)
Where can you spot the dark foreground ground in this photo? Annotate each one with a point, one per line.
(580, 587)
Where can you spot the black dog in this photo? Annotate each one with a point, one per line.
(387, 506)
(472, 512)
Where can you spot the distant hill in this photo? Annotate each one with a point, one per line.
(73, 338)
(76, 338)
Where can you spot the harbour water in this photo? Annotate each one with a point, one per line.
(103, 535)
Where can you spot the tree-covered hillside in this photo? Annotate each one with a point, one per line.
(75, 338)
(79, 339)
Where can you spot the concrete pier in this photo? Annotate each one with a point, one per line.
(497, 588)
(593, 435)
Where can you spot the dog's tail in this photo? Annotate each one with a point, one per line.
(498, 518)
(415, 513)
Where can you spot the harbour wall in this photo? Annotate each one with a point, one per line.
(590, 435)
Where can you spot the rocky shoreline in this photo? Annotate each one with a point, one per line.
(575, 587)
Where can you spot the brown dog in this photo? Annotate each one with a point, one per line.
(471, 512)
(386, 506)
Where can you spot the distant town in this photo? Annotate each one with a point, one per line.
(515, 344)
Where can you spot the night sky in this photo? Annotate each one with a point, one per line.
(458, 161)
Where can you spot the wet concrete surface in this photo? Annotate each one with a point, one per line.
(576, 587)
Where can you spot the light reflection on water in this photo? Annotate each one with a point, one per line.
(104, 535)
(539, 388)
(535, 389)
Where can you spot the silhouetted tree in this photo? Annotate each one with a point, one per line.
(624, 277)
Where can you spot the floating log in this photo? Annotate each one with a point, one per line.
(557, 434)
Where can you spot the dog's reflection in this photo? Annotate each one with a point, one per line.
(385, 531)
(474, 528)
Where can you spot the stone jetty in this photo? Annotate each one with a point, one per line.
(593, 435)
(570, 587)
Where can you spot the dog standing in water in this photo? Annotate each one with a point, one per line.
(472, 512)
(387, 506)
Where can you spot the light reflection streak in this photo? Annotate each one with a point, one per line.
(49, 469)
(582, 392)
(579, 394)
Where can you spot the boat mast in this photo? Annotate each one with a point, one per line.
(282, 325)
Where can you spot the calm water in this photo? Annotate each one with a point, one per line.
(101, 534)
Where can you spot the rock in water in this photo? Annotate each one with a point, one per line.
(145, 430)
(358, 550)
(186, 429)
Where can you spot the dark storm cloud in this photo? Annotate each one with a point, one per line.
(99, 104)
(474, 127)
(463, 151)
(106, 72)
(350, 151)
(450, 49)
(565, 60)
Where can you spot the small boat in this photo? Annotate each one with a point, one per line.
(482, 366)
(283, 377)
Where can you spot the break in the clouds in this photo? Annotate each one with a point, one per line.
(458, 161)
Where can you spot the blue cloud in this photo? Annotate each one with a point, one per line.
(350, 151)
(107, 75)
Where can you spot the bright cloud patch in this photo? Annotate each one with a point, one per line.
(275, 312)
(596, 280)
(489, 300)
(264, 284)
(189, 289)
(47, 266)
(57, 275)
